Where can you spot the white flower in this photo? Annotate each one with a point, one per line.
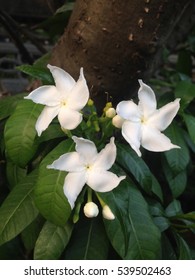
(142, 124)
(87, 166)
(107, 213)
(64, 100)
(91, 210)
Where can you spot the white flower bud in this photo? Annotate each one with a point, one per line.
(90, 210)
(107, 213)
(110, 113)
(117, 121)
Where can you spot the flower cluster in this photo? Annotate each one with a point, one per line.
(141, 125)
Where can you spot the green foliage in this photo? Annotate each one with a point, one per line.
(153, 209)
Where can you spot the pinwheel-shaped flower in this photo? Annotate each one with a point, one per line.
(142, 124)
(64, 100)
(87, 166)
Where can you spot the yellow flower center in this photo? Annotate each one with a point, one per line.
(143, 120)
(63, 103)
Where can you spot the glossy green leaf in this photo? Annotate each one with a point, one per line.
(162, 223)
(49, 195)
(14, 173)
(37, 72)
(173, 209)
(177, 159)
(30, 234)
(20, 133)
(52, 241)
(18, 210)
(190, 123)
(132, 233)
(186, 91)
(89, 241)
(183, 250)
(8, 104)
(177, 182)
(128, 160)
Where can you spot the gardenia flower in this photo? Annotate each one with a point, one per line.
(142, 124)
(87, 166)
(64, 100)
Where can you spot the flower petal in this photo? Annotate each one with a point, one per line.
(162, 118)
(103, 181)
(86, 149)
(69, 162)
(79, 94)
(73, 184)
(128, 110)
(154, 140)
(64, 82)
(106, 158)
(45, 118)
(118, 121)
(147, 99)
(45, 95)
(69, 119)
(132, 134)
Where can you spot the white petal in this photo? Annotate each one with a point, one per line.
(73, 184)
(69, 162)
(154, 140)
(45, 118)
(117, 121)
(64, 82)
(79, 94)
(147, 99)
(69, 119)
(86, 149)
(128, 110)
(162, 118)
(106, 158)
(132, 134)
(45, 95)
(103, 181)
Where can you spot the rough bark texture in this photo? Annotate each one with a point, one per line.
(116, 42)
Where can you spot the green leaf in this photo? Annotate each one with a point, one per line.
(49, 195)
(183, 248)
(18, 209)
(14, 173)
(162, 223)
(173, 209)
(177, 182)
(30, 234)
(52, 241)
(177, 159)
(38, 72)
(89, 241)
(8, 104)
(186, 91)
(132, 233)
(20, 133)
(190, 123)
(129, 161)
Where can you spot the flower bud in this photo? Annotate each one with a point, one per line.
(110, 113)
(90, 102)
(107, 213)
(90, 210)
(117, 121)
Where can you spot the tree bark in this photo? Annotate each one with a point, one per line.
(116, 42)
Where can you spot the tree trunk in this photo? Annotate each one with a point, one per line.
(116, 42)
